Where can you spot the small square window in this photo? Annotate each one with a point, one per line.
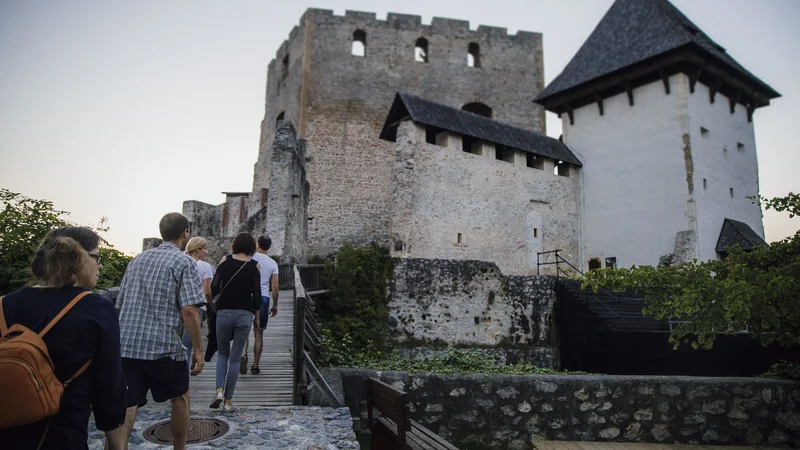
(740, 147)
(704, 131)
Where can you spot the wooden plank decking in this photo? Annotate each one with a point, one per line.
(271, 387)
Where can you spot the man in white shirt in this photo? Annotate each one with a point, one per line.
(269, 295)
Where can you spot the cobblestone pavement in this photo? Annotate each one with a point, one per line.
(285, 428)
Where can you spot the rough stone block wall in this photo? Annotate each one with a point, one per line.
(287, 221)
(340, 102)
(204, 219)
(451, 204)
(436, 303)
(516, 411)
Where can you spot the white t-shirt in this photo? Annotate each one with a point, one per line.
(206, 272)
(268, 268)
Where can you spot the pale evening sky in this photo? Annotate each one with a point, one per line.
(126, 109)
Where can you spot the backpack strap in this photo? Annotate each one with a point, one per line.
(63, 311)
(3, 325)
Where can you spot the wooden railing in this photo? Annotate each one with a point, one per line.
(306, 340)
(311, 274)
(285, 276)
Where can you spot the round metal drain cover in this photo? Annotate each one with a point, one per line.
(200, 430)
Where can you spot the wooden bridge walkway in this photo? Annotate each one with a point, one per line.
(271, 387)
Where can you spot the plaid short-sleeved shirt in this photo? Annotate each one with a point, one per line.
(156, 285)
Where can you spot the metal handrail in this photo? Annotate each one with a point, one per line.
(560, 259)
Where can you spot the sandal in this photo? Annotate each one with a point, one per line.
(255, 370)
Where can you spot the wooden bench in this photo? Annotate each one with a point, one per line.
(394, 430)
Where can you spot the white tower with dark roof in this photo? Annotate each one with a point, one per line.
(661, 118)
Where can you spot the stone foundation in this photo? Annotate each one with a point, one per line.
(514, 411)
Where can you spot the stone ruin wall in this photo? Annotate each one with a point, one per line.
(341, 102)
(515, 412)
(471, 304)
(450, 204)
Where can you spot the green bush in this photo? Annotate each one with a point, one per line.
(358, 302)
(342, 353)
(784, 370)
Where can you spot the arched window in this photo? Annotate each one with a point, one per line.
(473, 55)
(421, 50)
(278, 119)
(359, 47)
(478, 108)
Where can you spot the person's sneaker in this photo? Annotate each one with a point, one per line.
(229, 408)
(217, 400)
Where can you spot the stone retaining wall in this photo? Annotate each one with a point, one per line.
(514, 411)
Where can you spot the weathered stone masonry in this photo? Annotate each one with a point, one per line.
(339, 102)
(514, 411)
(436, 303)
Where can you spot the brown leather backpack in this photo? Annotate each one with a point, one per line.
(27, 380)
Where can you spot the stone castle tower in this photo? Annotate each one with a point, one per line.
(335, 78)
(661, 117)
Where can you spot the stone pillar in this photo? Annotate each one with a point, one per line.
(449, 139)
(150, 243)
(287, 203)
(483, 148)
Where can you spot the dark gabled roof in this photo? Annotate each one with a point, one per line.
(738, 233)
(637, 31)
(447, 118)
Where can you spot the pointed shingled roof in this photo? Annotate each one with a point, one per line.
(738, 233)
(445, 117)
(633, 32)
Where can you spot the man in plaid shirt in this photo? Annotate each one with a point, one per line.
(158, 297)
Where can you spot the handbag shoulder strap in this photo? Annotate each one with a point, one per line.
(234, 275)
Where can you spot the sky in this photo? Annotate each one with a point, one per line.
(124, 109)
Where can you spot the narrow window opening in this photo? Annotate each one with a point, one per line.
(473, 55)
(534, 162)
(536, 232)
(503, 153)
(703, 131)
(740, 147)
(430, 134)
(705, 183)
(611, 262)
(458, 238)
(594, 263)
(561, 169)
(724, 151)
(278, 119)
(478, 108)
(359, 47)
(467, 144)
(285, 65)
(421, 50)
(731, 190)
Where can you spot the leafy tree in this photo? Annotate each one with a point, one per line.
(358, 303)
(24, 222)
(756, 291)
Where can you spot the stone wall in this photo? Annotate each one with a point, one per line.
(514, 411)
(451, 204)
(436, 303)
(340, 102)
(287, 221)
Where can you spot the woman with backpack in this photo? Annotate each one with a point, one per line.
(82, 343)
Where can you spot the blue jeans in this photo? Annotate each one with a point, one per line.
(187, 341)
(238, 323)
(264, 313)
